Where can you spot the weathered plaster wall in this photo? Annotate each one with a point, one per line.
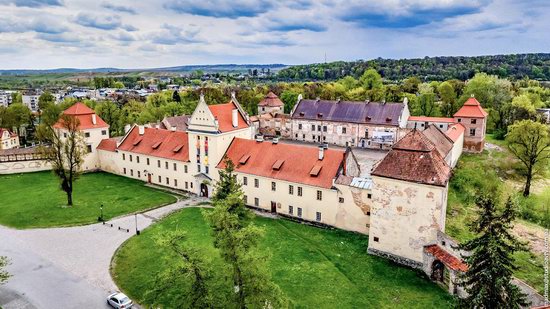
(24, 166)
(405, 217)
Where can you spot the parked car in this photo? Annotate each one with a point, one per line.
(119, 300)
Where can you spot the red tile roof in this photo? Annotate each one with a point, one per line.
(271, 100)
(169, 141)
(471, 109)
(12, 134)
(431, 119)
(297, 161)
(442, 142)
(446, 258)
(223, 113)
(84, 115)
(414, 158)
(108, 144)
(455, 131)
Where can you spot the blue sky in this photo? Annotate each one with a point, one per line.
(38, 34)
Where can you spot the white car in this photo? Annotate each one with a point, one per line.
(119, 300)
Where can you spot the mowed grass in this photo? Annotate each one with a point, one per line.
(315, 268)
(35, 199)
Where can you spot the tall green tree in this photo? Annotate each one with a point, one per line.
(185, 268)
(373, 85)
(289, 98)
(176, 96)
(110, 113)
(447, 96)
(237, 239)
(529, 141)
(488, 280)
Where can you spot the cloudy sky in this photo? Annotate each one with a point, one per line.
(37, 34)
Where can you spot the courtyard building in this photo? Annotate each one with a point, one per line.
(8, 139)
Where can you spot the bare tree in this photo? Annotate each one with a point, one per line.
(65, 152)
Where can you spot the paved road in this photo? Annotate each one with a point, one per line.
(68, 267)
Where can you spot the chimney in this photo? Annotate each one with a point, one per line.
(259, 138)
(275, 140)
(173, 129)
(127, 128)
(235, 118)
(94, 119)
(233, 96)
(321, 152)
(141, 130)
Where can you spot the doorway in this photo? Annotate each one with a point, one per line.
(273, 207)
(204, 190)
(437, 271)
(149, 177)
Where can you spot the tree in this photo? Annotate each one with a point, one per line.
(176, 96)
(118, 85)
(521, 108)
(21, 115)
(372, 83)
(4, 275)
(237, 239)
(488, 280)
(529, 141)
(111, 114)
(448, 98)
(65, 152)
(189, 271)
(45, 99)
(426, 100)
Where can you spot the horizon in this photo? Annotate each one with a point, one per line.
(51, 34)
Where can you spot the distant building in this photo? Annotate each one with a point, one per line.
(5, 98)
(544, 114)
(270, 104)
(474, 119)
(8, 139)
(31, 101)
(271, 119)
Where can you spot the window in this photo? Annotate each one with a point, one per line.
(130, 158)
(290, 189)
(245, 198)
(299, 126)
(459, 120)
(256, 182)
(473, 121)
(103, 132)
(124, 170)
(441, 126)
(186, 185)
(376, 239)
(299, 212)
(166, 164)
(185, 168)
(318, 216)
(324, 128)
(369, 195)
(290, 210)
(175, 182)
(89, 148)
(368, 213)
(312, 127)
(65, 135)
(245, 181)
(296, 135)
(191, 185)
(175, 167)
(273, 186)
(148, 161)
(340, 199)
(139, 174)
(303, 136)
(319, 128)
(158, 163)
(124, 157)
(299, 191)
(319, 195)
(167, 180)
(132, 172)
(137, 159)
(206, 169)
(198, 168)
(344, 130)
(472, 132)
(87, 134)
(256, 202)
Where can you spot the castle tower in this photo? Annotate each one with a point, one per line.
(474, 118)
(270, 104)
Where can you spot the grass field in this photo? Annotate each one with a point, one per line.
(315, 268)
(35, 199)
(487, 171)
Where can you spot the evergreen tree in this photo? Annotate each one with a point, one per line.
(176, 97)
(488, 280)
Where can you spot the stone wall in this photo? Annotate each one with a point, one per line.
(24, 166)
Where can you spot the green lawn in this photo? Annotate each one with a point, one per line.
(315, 268)
(35, 200)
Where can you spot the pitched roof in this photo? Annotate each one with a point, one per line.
(471, 109)
(179, 122)
(350, 111)
(223, 113)
(455, 131)
(446, 258)
(431, 119)
(108, 144)
(85, 116)
(167, 143)
(12, 134)
(271, 100)
(442, 142)
(288, 162)
(414, 158)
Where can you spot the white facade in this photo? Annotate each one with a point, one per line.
(31, 101)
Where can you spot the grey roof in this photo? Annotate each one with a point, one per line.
(350, 111)
(180, 122)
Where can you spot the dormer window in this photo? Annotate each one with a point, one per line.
(320, 115)
(156, 145)
(368, 118)
(302, 114)
(388, 119)
(315, 170)
(277, 165)
(244, 159)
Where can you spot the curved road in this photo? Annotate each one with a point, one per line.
(68, 267)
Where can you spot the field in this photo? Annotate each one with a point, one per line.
(35, 199)
(315, 268)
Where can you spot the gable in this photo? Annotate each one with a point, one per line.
(202, 118)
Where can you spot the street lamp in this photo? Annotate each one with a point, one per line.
(101, 209)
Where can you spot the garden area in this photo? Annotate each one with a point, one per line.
(35, 200)
(497, 170)
(314, 267)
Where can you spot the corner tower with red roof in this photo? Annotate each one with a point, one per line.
(93, 128)
(474, 118)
